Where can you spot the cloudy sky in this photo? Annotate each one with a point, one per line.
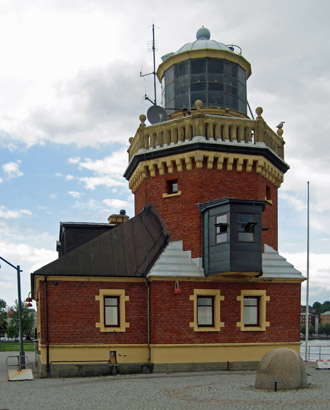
(71, 95)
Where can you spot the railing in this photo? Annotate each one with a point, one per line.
(211, 127)
(315, 353)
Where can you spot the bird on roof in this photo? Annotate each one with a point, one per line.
(280, 125)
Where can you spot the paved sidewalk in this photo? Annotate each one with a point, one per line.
(202, 390)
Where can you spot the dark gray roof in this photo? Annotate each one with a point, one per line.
(128, 250)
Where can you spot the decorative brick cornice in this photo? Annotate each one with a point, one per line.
(214, 160)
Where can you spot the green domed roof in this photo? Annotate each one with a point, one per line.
(203, 42)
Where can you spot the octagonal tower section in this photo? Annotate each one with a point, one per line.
(207, 153)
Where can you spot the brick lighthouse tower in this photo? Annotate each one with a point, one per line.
(194, 280)
(210, 172)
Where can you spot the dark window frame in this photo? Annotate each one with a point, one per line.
(172, 186)
(221, 225)
(247, 227)
(257, 306)
(117, 306)
(210, 306)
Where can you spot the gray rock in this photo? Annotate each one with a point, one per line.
(283, 364)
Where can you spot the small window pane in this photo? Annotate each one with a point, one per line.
(111, 301)
(198, 66)
(204, 301)
(221, 219)
(181, 70)
(246, 226)
(215, 66)
(111, 316)
(205, 316)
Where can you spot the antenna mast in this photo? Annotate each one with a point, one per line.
(153, 47)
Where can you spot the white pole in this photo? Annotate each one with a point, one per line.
(307, 284)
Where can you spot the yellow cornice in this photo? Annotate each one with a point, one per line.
(179, 162)
(203, 53)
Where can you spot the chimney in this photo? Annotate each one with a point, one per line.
(116, 219)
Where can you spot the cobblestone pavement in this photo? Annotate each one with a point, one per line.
(202, 390)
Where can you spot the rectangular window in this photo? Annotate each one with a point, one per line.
(251, 311)
(172, 186)
(221, 228)
(111, 311)
(205, 309)
(246, 226)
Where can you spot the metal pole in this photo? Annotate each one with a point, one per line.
(21, 354)
(154, 61)
(307, 273)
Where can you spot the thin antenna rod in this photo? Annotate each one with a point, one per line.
(154, 58)
(154, 68)
(307, 284)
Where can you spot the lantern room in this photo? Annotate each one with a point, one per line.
(205, 70)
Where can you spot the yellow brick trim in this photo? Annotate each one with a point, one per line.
(171, 195)
(217, 299)
(173, 163)
(122, 300)
(262, 310)
(203, 53)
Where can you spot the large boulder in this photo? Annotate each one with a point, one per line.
(284, 364)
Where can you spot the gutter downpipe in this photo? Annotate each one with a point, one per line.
(148, 318)
(46, 323)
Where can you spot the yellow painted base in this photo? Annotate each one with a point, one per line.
(93, 353)
(238, 352)
(162, 354)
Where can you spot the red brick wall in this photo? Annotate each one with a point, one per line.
(171, 314)
(180, 214)
(73, 312)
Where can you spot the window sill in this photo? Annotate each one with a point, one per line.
(269, 201)
(252, 328)
(172, 195)
(205, 329)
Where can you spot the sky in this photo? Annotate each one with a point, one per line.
(71, 95)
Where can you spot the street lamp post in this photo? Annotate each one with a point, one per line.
(21, 353)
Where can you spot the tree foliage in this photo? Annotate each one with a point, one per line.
(27, 321)
(3, 317)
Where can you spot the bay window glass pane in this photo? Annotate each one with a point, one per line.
(221, 228)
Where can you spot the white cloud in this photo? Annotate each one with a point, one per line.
(115, 203)
(13, 214)
(29, 258)
(74, 194)
(12, 169)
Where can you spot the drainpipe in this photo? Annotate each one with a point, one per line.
(46, 322)
(148, 318)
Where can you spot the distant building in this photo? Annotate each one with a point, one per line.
(194, 281)
(325, 317)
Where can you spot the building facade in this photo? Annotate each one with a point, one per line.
(194, 280)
